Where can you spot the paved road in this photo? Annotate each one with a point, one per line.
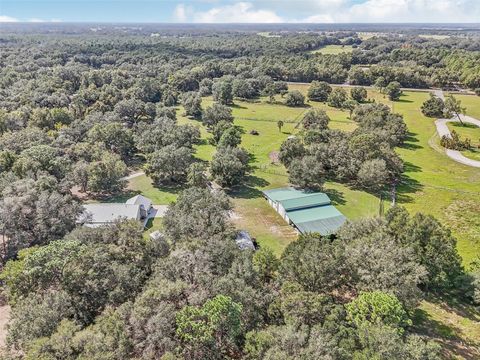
(439, 93)
(443, 130)
(134, 175)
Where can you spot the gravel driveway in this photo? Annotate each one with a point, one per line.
(443, 130)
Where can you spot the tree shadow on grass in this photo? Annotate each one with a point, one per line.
(457, 306)
(464, 125)
(203, 142)
(123, 196)
(120, 197)
(408, 187)
(249, 189)
(411, 142)
(410, 167)
(425, 324)
(401, 100)
(336, 196)
(446, 335)
(236, 106)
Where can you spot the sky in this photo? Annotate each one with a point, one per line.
(245, 11)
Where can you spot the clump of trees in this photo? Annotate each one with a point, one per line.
(393, 90)
(337, 98)
(359, 94)
(454, 142)
(319, 91)
(295, 98)
(364, 158)
(433, 107)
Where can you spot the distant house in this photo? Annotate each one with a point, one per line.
(144, 203)
(95, 215)
(306, 211)
(244, 241)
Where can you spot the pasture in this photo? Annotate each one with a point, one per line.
(333, 49)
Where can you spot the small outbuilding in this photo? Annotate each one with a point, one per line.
(244, 241)
(307, 211)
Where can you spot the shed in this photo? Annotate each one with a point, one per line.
(244, 241)
(307, 211)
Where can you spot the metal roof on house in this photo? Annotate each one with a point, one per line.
(140, 200)
(101, 214)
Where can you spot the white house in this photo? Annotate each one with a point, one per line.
(95, 215)
(144, 203)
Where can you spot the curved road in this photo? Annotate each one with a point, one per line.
(456, 155)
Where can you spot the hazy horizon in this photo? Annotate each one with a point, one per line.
(231, 11)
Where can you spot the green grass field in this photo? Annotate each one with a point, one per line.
(433, 184)
(333, 50)
(471, 103)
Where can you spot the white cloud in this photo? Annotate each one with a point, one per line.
(180, 13)
(397, 11)
(241, 12)
(37, 20)
(5, 18)
(320, 18)
(329, 11)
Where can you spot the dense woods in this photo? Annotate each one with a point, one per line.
(77, 111)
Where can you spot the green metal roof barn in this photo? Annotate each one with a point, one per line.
(307, 211)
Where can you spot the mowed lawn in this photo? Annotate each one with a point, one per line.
(333, 49)
(470, 103)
